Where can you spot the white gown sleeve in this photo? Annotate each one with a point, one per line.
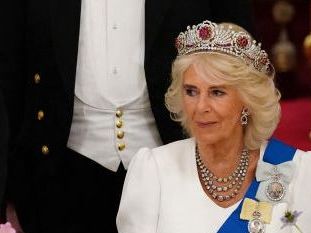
(139, 206)
(302, 191)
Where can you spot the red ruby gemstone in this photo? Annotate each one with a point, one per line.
(177, 43)
(263, 58)
(205, 33)
(242, 41)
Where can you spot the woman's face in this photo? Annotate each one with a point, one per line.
(212, 111)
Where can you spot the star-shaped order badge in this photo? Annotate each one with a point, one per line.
(257, 213)
(274, 181)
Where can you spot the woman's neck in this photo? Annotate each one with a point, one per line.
(222, 157)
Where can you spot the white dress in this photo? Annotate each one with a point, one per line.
(162, 193)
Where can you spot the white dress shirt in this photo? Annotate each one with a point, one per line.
(162, 193)
(110, 77)
(110, 62)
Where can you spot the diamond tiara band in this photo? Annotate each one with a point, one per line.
(213, 38)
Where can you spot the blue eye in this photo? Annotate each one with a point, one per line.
(191, 91)
(217, 92)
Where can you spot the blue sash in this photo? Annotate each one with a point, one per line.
(276, 153)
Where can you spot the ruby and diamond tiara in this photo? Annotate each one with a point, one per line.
(211, 37)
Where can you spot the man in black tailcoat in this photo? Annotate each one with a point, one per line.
(56, 187)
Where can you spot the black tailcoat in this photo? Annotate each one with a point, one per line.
(3, 151)
(40, 38)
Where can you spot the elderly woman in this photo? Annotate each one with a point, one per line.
(228, 177)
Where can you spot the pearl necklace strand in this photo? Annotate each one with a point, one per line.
(223, 188)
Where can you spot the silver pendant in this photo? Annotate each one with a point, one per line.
(275, 190)
(256, 226)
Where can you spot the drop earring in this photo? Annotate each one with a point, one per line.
(244, 117)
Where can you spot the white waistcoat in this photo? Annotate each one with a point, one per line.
(110, 77)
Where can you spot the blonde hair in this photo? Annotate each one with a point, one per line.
(256, 89)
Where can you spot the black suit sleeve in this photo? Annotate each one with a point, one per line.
(12, 59)
(3, 150)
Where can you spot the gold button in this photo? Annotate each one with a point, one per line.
(121, 146)
(40, 115)
(119, 123)
(45, 150)
(119, 113)
(120, 134)
(37, 78)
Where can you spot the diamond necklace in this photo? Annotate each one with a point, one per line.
(223, 188)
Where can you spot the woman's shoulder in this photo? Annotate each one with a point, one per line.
(165, 153)
(278, 149)
(174, 146)
(282, 155)
(302, 160)
(304, 155)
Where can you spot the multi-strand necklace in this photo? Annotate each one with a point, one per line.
(223, 188)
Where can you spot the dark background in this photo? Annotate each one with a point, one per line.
(297, 82)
